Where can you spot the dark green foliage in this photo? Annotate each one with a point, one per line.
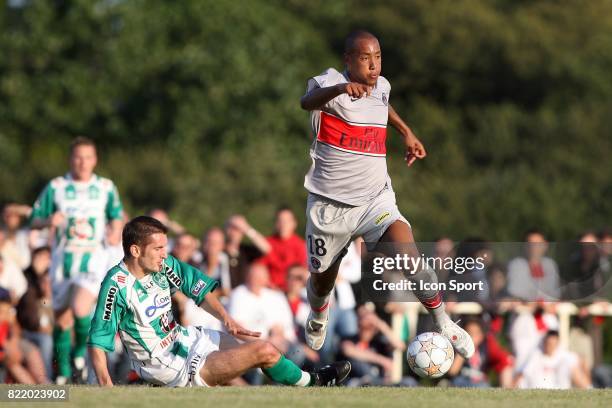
(195, 105)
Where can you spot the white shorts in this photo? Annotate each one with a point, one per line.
(180, 366)
(85, 270)
(331, 226)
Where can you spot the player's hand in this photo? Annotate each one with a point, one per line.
(237, 330)
(57, 219)
(356, 90)
(414, 149)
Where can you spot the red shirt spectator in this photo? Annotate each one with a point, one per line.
(287, 249)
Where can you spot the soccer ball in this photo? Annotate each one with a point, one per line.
(430, 355)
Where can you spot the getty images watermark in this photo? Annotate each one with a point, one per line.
(408, 265)
(478, 271)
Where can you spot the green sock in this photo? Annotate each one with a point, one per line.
(286, 372)
(61, 339)
(81, 330)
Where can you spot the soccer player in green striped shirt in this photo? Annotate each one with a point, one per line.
(135, 300)
(84, 214)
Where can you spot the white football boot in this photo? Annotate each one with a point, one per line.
(315, 331)
(459, 338)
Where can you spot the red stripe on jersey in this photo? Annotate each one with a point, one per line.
(366, 139)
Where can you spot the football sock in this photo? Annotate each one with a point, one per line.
(81, 330)
(318, 304)
(286, 372)
(61, 339)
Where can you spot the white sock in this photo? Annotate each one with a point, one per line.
(304, 381)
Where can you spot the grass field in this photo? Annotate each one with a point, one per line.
(253, 397)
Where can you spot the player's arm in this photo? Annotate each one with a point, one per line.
(213, 306)
(114, 213)
(414, 147)
(318, 97)
(110, 309)
(199, 287)
(44, 212)
(98, 360)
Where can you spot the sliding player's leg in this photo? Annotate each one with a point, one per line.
(398, 239)
(234, 359)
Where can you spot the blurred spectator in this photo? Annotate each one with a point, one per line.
(296, 295)
(591, 270)
(20, 357)
(163, 217)
(11, 277)
(287, 249)
(215, 262)
(496, 278)
(553, 367)
(262, 309)
(34, 311)
(16, 240)
(185, 247)
(370, 350)
(240, 254)
(535, 276)
(472, 248)
(529, 327)
(489, 355)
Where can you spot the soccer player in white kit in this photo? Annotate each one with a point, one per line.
(84, 213)
(350, 192)
(135, 301)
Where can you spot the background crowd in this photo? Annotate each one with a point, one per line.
(262, 281)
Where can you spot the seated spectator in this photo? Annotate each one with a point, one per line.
(553, 367)
(215, 262)
(240, 254)
(287, 249)
(18, 356)
(528, 328)
(11, 278)
(16, 242)
(262, 309)
(535, 276)
(296, 295)
(34, 310)
(185, 247)
(371, 349)
(591, 271)
(489, 355)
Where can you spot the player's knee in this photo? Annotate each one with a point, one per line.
(65, 320)
(267, 353)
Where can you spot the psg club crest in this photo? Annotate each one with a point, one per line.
(316, 264)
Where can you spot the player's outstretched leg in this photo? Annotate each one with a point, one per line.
(235, 359)
(400, 233)
(318, 289)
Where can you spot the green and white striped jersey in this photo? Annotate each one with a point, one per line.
(141, 310)
(87, 207)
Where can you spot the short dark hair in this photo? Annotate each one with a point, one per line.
(138, 230)
(353, 37)
(533, 231)
(81, 141)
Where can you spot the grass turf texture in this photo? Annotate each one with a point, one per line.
(253, 397)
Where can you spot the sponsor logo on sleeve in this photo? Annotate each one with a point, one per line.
(120, 279)
(108, 303)
(200, 284)
(173, 277)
